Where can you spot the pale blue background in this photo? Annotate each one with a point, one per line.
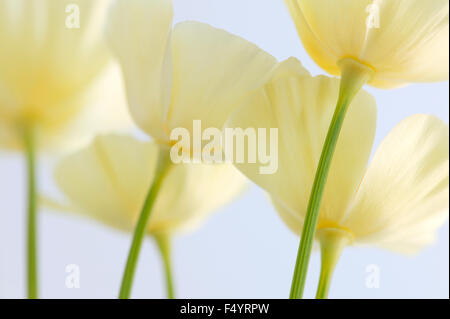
(243, 251)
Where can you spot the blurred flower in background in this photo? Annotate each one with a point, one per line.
(56, 73)
(108, 181)
(58, 87)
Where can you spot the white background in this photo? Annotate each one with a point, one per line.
(244, 250)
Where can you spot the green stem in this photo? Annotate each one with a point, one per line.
(31, 219)
(163, 242)
(162, 169)
(332, 243)
(354, 76)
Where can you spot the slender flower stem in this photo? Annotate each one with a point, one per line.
(31, 219)
(162, 169)
(163, 242)
(332, 243)
(354, 76)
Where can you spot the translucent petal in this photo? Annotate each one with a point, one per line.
(411, 42)
(301, 107)
(52, 53)
(403, 40)
(213, 71)
(403, 198)
(329, 29)
(43, 62)
(108, 181)
(139, 33)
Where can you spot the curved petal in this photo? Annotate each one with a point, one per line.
(403, 198)
(43, 62)
(139, 33)
(102, 114)
(192, 192)
(411, 43)
(109, 180)
(52, 53)
(330, 30)
(301, 108)
(213, 71)
(403, 40)
(293, 220)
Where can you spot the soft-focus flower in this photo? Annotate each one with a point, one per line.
(397, 202)
(54, 72)
(176, 75)
(109, 180)
(403, 41)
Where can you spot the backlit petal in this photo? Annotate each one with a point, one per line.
(52, 53)
(139, 33)
(329, 29)
(213, 71)
(403, 198)
(404, 41)
(108, 181)
(192, 192)
(301, 108)
(411, 43)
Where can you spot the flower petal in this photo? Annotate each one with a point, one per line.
(191, 193)
(102, 114)
(109, 180)
(404, 41)
(139, 33)
(330, 30)
(411, 43)
(403, 198)
(213, 71)
(301, 108)
(43, 62)
(49, 68)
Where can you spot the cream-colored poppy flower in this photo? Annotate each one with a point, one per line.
(177, 75)
(109, 180)
(403, 41)
(398, 202)
(55, 68)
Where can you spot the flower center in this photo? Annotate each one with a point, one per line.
(330, 226)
